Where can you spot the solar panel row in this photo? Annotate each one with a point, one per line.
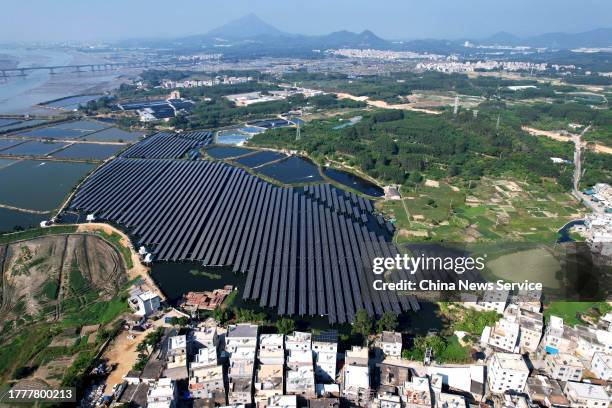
(168, 145)
(302, 255)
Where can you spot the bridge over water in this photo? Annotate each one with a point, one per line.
(103, 66)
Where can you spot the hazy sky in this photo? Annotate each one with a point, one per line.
(51, 20)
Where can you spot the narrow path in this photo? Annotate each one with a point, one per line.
(26, 210)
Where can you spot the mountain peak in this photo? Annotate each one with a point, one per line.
(247, 26)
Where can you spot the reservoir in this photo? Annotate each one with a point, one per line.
(355, 182)
(39, 185)
(295, 169)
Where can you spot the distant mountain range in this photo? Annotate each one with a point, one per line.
(253, 36)
(601, 37)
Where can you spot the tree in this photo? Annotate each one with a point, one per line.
(285, 326)
(387, 322)
(221, 315)
(362, 324)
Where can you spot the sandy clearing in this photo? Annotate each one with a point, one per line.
(562, 137)
(385, 105)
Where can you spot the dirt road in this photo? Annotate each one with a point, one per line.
(567, 137)
(138, 269)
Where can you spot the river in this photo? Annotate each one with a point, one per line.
(18, 95)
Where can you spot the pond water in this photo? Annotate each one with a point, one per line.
(88, 151)
(39, 185)
(34, 148)
(260, 158)
(86, 125)
(231, 137)
(177, 278)
(355, 182)
(22, 124)
(113, 135)
(10, 219)
(6, 143)
(293, 170)
(225, 152)
(564, 233)
(55, 133)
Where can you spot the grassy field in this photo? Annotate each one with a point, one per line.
(36, 232)
(490, 210)
(569, 311)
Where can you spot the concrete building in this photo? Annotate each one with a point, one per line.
(356, 377)
(144, 303)
(301, 381)
(556, 337)
(582, 395)
(545, 392)
(391, 344)
(298, 341)
(416, 393)
(206, 381)
(601, 366)
(504, 335)
(325, 352)
(241, 336)
(445, 400)
(272, 349)
(282, 401)
(205, 336)
(392, 373)
(563, 367)
(240, 391)
(269, 382)
(162, 394)
(176, 358)
(589, 342)
(507, 372)
(531, 326)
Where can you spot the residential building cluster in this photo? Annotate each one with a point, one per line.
(385, 54)
(471, 66)
(525, 363)
(196, 83)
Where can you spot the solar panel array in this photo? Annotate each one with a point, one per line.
(302, 250)
(164, 145)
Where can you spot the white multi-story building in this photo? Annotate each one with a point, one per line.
(563, 367)
(176, 356)
(145, 303)
(241, 336)
(507, 372)
(162, 394)
(356, 377)
(241, 347)
(589, 342)
(325, 352)
(206, 356)
(556, 338)
(531, 326)
(391, 344)
(416, 393)
(583, 395)
(601, 366)
(298, 341)
(444, 400)
(206, 381)
(282, 401)
(301, 381)
(269, 382)
(504, 335)
(205, 336)
(271, 349)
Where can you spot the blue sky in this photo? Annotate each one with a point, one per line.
(52, 20)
